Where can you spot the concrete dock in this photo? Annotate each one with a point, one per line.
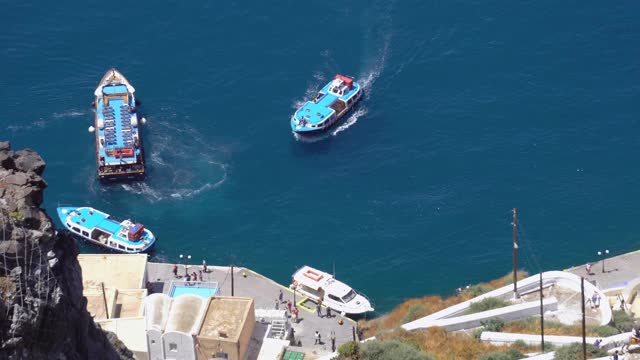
(265, 293)
(618, 270)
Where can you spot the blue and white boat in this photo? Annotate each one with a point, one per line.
(97, 227)
(119, 151)
(332, 102)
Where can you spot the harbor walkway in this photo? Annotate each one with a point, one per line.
(265, 292)
(618, 271)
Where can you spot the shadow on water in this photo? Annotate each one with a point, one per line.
(309, 145)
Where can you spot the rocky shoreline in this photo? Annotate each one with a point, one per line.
(42, 310)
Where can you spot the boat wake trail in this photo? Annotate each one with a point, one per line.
(351, 120)
(43, 123)
(181, 163)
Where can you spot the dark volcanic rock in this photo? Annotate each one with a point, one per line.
(43, 314)
(28, 160)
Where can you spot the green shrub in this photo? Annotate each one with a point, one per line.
(605, 330)
(387, 350)
(520, 345)
(415, 312)
(349, 350)
(622, 321)
(574, 351)
(477, 290)
(495, 325)
(487, 304)
(16, 215)
(510, 354)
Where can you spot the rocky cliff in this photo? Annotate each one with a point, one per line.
(42, 311)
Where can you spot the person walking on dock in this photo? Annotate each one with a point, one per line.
(200, 275)
(588, 268)
(295, 314)
(319, 310)
(175, 271)
(318, 339)
(195, 276)
(204, 266)
(280, 296)
(277, 304)
(329, 312)
(289, 305)
(333, 340)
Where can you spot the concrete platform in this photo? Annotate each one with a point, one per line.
(618, 271)
(265, 292)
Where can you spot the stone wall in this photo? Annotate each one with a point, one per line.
(43, 314)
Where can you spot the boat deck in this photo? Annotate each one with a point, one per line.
(94, 220)
(118, 130)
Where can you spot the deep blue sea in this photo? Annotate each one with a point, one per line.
(472, 108)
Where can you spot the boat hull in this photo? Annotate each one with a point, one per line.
(102, 246)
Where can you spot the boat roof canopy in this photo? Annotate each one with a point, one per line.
(114, 89)
(345, 80)
(316, 279)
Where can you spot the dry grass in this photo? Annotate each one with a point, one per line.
(7, 287)
(436, 341)
(532, 326)
(443, 345)
(430, 304)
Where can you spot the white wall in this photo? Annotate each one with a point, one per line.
(154, 343)
(178, 346)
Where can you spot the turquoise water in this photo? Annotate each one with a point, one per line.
(472, 108)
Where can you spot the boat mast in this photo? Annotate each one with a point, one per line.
(334, 269)
(515, 256)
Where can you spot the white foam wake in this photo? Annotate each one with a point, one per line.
(182, 163)
(351, 120)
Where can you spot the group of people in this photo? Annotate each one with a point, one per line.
(292, 309)
(193, 276)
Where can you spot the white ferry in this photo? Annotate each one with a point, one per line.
(321, 286)
(97, 227)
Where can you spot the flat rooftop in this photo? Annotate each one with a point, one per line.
(121, 271)
(129, 303)
(227, 315)
(130, 331)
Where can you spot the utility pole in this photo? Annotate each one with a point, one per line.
(231, 279)
(515, 256)
(541, 314)
(584, 331)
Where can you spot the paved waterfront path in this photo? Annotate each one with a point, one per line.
(618, 270)
(264, 291)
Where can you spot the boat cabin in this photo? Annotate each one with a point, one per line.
(321, 286)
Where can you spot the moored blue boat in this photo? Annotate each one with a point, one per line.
(98, 227)
(119, 151)
(331, 104)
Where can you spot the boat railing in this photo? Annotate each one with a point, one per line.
(366, 297)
